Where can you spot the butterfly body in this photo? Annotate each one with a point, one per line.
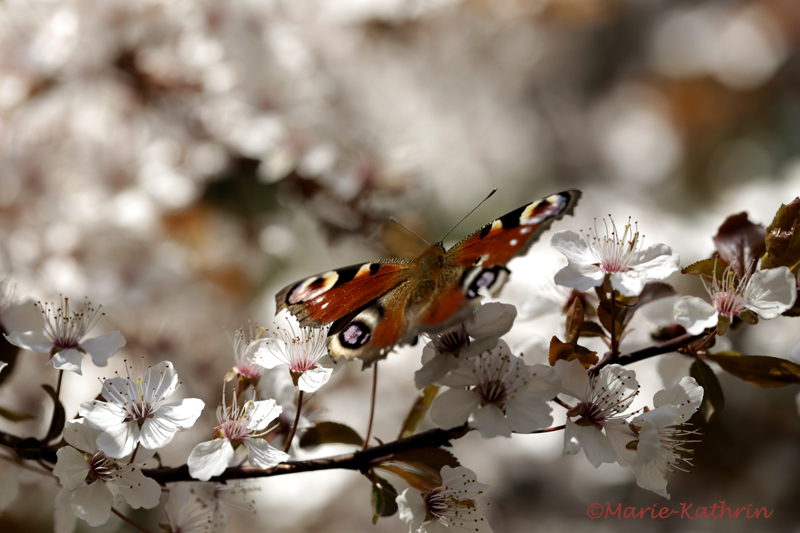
(381, 304)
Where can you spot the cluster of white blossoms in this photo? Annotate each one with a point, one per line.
(652, 442)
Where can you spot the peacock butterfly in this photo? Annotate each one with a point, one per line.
(381, 304)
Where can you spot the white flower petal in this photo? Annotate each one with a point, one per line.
(411, 509)
(311, 380)
(658, 261)
(92, 503)
(493, 319)
(34, 341)
(103, 347)
(453, 407)
(81, 435)
(262, 455)
(160, 428)
(69, 359)
(139, 490)
(595, 444)
(159, 382)
(262, 413)
(629, 283)
(695, 314)
(770, 292)
(271, 353)
(490, 421)
(528, 413)
(209, 459)
(686, 395)
(574, 378)
(435, 369)
(544, 382)
(652, 476)
(120, 440)
(102, 415)
(71, 467)
(619, 435)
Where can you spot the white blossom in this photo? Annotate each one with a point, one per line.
(244, 350)
(603, 400)
(767, 293)
(94, 478)
(137, 412)
(448, 508)
(203, 506)
(470, 338)
(246, 426)
(654, 444)
(304, 350)
(623, 258)
(497, 393)
(63, 335)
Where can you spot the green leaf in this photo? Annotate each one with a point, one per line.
(760, 370)
(14, 416)
(783, 238)
(59, 415)
(708, 269)
(420, 467)
(328, 433)
(740, 242)
(652, 291)
(383, 499)
(574, 320)
(713, 399)
(418, 411)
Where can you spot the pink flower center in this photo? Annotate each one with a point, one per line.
(615, 253)
(729, 302)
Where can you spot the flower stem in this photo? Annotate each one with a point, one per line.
(294, 426)
(130, 522)
(706, 341)
(371, 406)
(58, 384)
(133, 455)
(614, 340)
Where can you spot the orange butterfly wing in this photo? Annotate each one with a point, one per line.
(329, 296)
(482, 256)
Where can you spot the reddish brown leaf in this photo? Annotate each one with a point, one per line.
(740, 242)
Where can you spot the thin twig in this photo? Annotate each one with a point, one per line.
(294, 426)
(58, 384)
(130, 522)
(371, 405)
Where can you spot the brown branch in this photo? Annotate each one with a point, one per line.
(359, 461)
(671, 345)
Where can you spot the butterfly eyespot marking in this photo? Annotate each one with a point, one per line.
(477, 278)
(354, 335)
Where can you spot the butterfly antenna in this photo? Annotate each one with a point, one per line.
(409, 230)
(468, 214)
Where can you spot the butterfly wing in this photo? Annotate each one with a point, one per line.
(512, 234)
(478, 262)
(330, 296)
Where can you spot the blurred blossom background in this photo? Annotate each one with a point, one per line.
(180, 161)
